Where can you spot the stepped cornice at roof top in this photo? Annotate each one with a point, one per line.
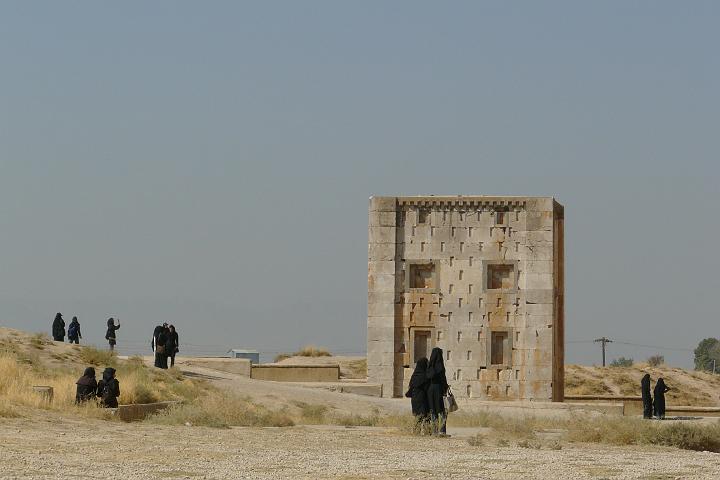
(464, 201)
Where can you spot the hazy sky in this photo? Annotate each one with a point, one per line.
(209, 163)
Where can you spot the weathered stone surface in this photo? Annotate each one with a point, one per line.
(466, 308)
(382, 204)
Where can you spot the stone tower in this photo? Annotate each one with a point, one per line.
(480, 277)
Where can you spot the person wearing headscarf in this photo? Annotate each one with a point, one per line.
(172, 345)
(436, 390)
(646, 397)
(659, 402)
(73, 331)
(110, 334)
(108, 389)
(86, 386)
(156, 332)
(417, 393)
(58, 328)
(161, 348)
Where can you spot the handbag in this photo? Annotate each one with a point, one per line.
(449, 401)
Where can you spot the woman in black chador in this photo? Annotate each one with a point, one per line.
(160, 348)
(417, 393)
(86, 386)
(110, 334)
(172, 346)
(660, 389)
(108, 389)
(646, 397)
(436, 390)
(58, 328)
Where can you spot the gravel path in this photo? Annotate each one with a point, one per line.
(50, 447)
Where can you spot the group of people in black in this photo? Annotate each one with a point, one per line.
(107, 390)
(428, 387)
(653, 404)
(73, 330)
(165, 344)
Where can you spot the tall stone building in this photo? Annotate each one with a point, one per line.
(480, 277)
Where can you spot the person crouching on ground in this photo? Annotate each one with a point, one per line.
(436, 391)
(108, 389)
(86, 386)
(417, 393)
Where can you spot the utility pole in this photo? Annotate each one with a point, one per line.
(603, 340)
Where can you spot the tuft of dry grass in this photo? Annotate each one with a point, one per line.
(221, 409)
(39, 340)
(606, 430)
(312, 351)
(95, 356)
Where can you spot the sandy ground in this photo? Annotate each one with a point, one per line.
(52, 447)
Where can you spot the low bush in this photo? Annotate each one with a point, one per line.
(656, 360)
(312, 351)
(622, 362)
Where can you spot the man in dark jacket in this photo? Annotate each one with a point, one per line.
(646, 397)
(73, 331)
(58, 328)
(108, 389)
(86, 386)
(437, 390)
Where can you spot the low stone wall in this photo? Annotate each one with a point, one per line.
(138, 411)
(238, 366)
(296, 373)
(533, 408)
(632, 405)
(688, 411)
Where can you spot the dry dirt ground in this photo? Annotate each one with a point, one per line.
(48, 446)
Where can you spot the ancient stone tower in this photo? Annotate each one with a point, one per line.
(480, 277)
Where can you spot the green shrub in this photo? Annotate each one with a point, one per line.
(622, 362)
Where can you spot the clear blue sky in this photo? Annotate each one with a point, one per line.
(209, 163)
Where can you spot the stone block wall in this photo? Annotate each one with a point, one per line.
(480, 277)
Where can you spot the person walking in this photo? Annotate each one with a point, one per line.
(58, 328)
(74, 334)
(436, 391)
(659, 402)
(110, 334)
(108, 389)
(418, 395)
(156, 332)
(172, 346)
(161, 348)
(86, 386)
(646, 397)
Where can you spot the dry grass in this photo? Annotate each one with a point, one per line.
(221, 409)
(306, 351)
(96, 357)
(20, 371)
(527, 432)
(312, 351)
